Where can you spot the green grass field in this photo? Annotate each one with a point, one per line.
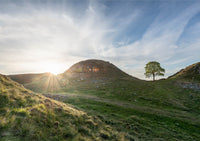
(160, 110)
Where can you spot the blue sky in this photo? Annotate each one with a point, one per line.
(49, 36)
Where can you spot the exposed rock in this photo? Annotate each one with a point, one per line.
(194, 86)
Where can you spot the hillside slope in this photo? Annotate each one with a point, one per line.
(25, 115)
(190, 73)
(28, 78)
(188, 77)
(41, 82)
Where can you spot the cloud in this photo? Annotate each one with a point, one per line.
(159, 42)
(47, 35)
(36, 33)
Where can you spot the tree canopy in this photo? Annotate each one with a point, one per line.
(153, 68)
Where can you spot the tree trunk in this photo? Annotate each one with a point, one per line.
(153, 77)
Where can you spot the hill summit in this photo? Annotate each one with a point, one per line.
(94, 68)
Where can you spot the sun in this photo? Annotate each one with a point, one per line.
(54, 71)
(53, 68)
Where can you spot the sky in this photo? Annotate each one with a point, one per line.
(49, 36)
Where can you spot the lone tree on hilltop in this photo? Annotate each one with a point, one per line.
(153, 68)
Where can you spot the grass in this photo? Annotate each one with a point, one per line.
(162, 94)
(137, 123)
(158, 110)
(25, 115)
(188, 74)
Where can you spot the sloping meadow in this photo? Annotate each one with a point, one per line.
(25, 115)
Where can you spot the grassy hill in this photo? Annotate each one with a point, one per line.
(188, 77)
(94, 68)
(28, 78)
(25, 115)
(91, 75)
(42, 82)
(190, 73)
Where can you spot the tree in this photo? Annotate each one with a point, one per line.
(153, 68)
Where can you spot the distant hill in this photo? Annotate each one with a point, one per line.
(25, 115)
(81, 74)
(94, 68)
(37, 82)
(28, 78)
(190, 73)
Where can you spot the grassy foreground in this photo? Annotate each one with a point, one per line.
(25, 115)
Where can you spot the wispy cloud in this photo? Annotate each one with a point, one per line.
(128, 34)
(159, 42)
